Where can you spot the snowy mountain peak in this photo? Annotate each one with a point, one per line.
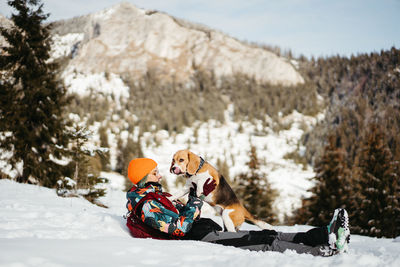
(127, 40)
(120, 8)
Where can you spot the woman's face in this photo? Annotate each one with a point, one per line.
(154, 176)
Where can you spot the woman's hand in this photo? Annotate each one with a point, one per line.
(208, 187)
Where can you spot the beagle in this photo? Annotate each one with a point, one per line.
(222, 198)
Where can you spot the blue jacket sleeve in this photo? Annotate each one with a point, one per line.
(158, 217)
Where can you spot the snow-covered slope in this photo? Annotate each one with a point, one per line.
(37, 228)
(127, 40)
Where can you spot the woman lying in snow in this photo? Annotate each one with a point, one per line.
(152, 215)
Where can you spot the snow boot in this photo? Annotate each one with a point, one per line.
(338, 230)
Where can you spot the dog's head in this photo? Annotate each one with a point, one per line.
(184, 162)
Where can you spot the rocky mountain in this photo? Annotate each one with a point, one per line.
(126, 40)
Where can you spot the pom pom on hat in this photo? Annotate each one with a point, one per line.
(139, 168)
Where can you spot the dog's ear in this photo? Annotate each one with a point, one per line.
(193, 163)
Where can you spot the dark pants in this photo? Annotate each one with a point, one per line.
(314, 241)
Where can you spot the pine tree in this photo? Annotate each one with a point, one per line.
(105, 156)
(255, 191)
(32, 100)
(377, 210)
(85, 176)
(126, 152)
(332, 187)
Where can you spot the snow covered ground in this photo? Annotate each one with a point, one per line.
(37, 228)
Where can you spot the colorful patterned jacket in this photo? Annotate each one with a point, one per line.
(175, 220)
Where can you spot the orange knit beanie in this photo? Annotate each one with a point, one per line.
(139, 168)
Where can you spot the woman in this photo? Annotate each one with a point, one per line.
(152, 215)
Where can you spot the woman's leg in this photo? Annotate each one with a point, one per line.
(313, 237)
(266, 240)
(252, 240)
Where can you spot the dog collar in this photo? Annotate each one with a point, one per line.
(201, 165)
(198, 169)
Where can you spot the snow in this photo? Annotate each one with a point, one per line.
(5, 167)
(5, 156)
(37, 228)
(108, 84)
(64, 45)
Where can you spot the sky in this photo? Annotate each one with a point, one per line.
(306, 27)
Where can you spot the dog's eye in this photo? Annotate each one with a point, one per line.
(181, 160)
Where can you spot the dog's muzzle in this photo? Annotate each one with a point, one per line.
(175, 170)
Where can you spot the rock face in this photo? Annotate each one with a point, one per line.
(130, 41)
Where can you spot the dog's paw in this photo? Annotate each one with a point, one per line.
(264, 225)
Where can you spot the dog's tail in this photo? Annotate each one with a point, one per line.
(263, 225)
